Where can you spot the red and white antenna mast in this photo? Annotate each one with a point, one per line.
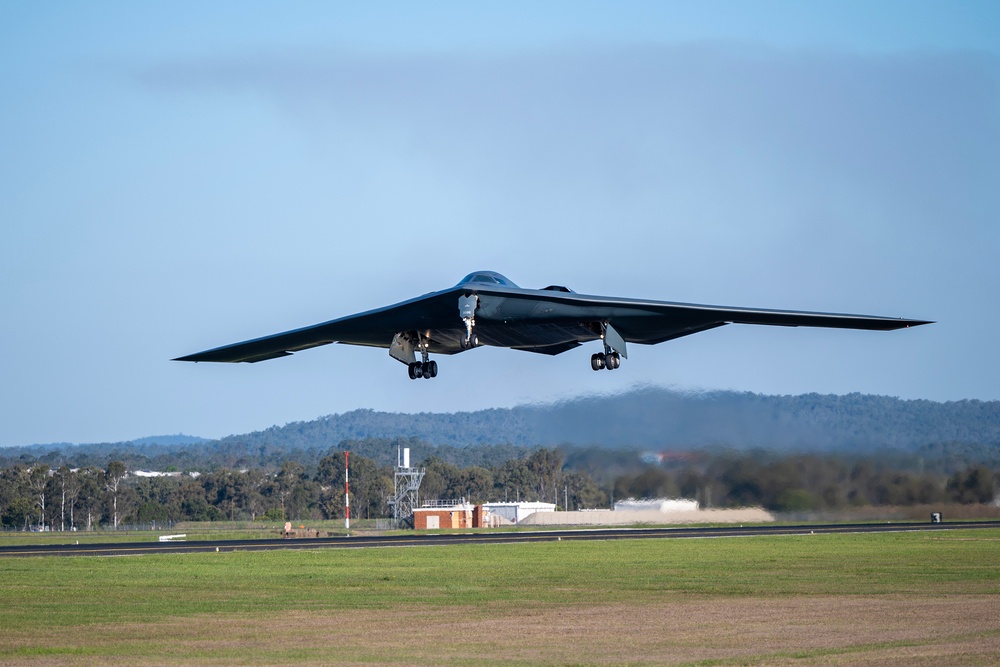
(347, 493)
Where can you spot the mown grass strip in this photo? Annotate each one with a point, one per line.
(93, 589)
(78, 599)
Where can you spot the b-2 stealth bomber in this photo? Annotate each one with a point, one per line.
(486, 308)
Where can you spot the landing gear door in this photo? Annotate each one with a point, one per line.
(467, 306)
(402, 349)
(614, 340)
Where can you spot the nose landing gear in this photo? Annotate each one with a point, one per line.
(467, 311)
(469, 341)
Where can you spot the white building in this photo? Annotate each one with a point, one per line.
(515, 512)
(665, 505)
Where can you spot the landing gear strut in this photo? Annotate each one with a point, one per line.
(467, 311)
(425, 368)
(614, 349)
(404, 348)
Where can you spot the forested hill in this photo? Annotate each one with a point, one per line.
(659, 418)
(645, 419)
(663, 419)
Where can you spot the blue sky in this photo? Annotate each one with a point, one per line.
(179, 177)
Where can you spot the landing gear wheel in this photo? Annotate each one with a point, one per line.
(613, 361)
(597, 361)
(428, 369)
(415, 370)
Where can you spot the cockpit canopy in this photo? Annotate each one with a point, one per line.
(487, 278)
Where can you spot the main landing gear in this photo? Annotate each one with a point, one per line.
(608, 360)
(614, 349)
(425, 368)
(406, 345)
(404, 348)
(422, 369)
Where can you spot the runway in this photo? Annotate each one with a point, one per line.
(444, 539)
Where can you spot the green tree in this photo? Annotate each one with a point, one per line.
(296, 491)
(151, 512)
(66, 483)
(440, 480)
(797, 500)
(249, 493)
(18, 513)
(370, 485)
(221, 490)
(15, 495)
(545, 465)
(113, 477)
(90, 496)
(474, 483)
(975, 485)
(38, 481)
(583, 492)
(653, 482)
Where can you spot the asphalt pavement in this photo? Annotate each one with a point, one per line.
(473, 537)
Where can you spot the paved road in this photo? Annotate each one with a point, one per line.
(439, 539)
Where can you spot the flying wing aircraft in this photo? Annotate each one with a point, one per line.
(485, 308)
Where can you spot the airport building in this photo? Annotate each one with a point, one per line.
(447, 514)
(665, 505)
(460, 514)
(438, 515)
(516, 512)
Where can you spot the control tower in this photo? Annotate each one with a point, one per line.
(406, 488)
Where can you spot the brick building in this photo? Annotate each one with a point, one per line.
(461, 515)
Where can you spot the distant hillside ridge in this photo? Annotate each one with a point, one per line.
(661, 418)
(656, 418)
(455, 429)
(179, 439)
(643, 419)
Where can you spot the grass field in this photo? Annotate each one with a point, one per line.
(899, 598)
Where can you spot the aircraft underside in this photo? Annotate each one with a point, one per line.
(543, 337)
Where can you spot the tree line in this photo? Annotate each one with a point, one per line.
(36, 494)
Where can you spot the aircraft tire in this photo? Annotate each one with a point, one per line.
(414, 370)
(597, 361)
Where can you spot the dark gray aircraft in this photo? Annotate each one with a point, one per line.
(486, 308)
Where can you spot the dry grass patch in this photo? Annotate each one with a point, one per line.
(820, 630)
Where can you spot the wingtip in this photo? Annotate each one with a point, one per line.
(190, 357)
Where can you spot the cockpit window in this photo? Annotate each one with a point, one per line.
(487, 278)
